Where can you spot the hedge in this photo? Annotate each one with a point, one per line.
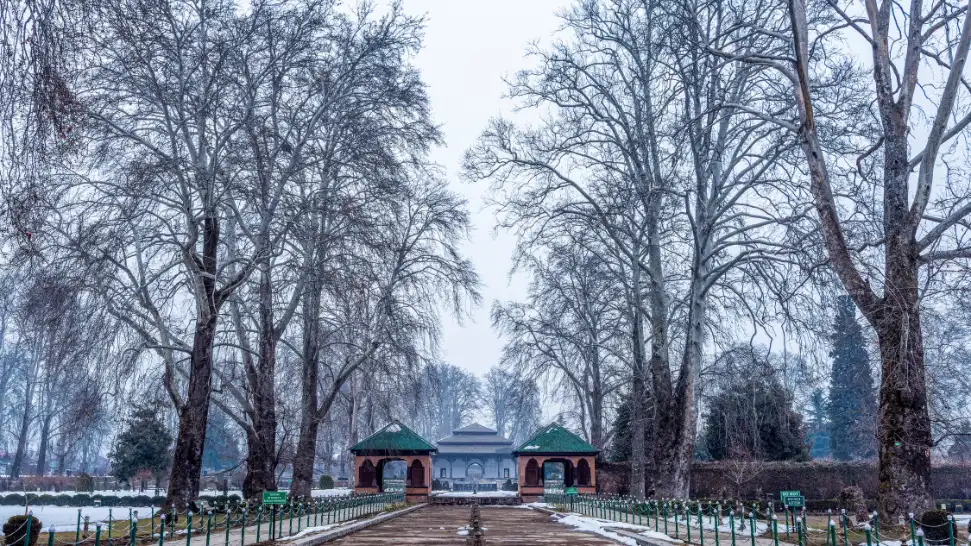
(84, 500)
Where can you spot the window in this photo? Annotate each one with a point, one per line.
(505, 472)
(443, 473)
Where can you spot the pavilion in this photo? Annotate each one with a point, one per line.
(555, 444)
(474, 456)
(394, 442)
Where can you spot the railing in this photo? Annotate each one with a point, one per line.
(232, 525)
(690, 520)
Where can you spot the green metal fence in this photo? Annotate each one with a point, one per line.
(235, 525)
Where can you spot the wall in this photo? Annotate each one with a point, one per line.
(816, 480)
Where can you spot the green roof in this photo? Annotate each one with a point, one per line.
(554, 439)
(393, 438)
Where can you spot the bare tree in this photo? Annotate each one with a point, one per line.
(914, 225)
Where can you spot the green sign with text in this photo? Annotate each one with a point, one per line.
(571, 490)
(274, 497)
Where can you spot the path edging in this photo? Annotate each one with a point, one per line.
(334, 534)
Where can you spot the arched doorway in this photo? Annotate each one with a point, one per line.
(367, 475)
(475, 472)
(416, 474)
(532, 473)
(393, 475)
(583, 473)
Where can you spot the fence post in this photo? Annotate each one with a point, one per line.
(846, 529)
(832, 533)
(188, 528)
(920, 537)
(913, 534)
(876, 526)
(751, 517)
(869, 537)
(77, 533)
(775, 529)
(229, 523)
(151, 529)
(97, 533)
(161, 529)
(133, 528)
(731, 523)
(50, 536)
(950, 530)
(208, 527)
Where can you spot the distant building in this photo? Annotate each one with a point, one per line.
(474, 454)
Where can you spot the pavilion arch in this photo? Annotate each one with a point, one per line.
(555, 444)
(583, 474)
(394, 442)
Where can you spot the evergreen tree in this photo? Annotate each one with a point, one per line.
(144, 444)
(852, 396)
(753, 417)
(818, 425)
(623, 431)
(960, 450)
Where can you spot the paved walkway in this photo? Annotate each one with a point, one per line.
(441, 525)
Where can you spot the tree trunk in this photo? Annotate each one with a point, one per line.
(193, 418)
(303, 461)
(26, 416)
(904, 427)
(638, 441)
(261, 440)
(43, 448)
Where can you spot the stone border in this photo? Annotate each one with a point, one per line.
(334, 534)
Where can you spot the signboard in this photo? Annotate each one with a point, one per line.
(784, 494)
(274, 497)
(795, 502)
(571, 490)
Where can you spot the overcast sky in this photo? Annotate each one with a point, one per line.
(470, 45)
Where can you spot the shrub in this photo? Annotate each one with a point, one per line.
(326, 482)
(935, 523)
(15, 529)
(84, 483)
(14, 499)
(851, 498)
(83, 499)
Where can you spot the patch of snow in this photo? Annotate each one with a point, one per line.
(596, 526)
(65, 518)
(309, 531)
(531, 447)
(393, 428)
(469, 494)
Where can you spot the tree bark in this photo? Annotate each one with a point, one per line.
(904, 426)
(638, 444)
(303, 461)
(261, 440)
(193, 418)
(43, 448)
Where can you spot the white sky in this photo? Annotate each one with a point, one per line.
(470, 45)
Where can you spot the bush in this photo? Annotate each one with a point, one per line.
(935, 523)
(14, 499)
(15, 529)
(83, 499)
(326, 482)
(84, 483)
(851, 498)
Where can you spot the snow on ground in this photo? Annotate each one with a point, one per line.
(309, 531)
(161, 492)
(724, 526)
(601, 526)
(65, 518)
(469, 494)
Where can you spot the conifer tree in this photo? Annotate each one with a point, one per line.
(144, 445)
(852, 396)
